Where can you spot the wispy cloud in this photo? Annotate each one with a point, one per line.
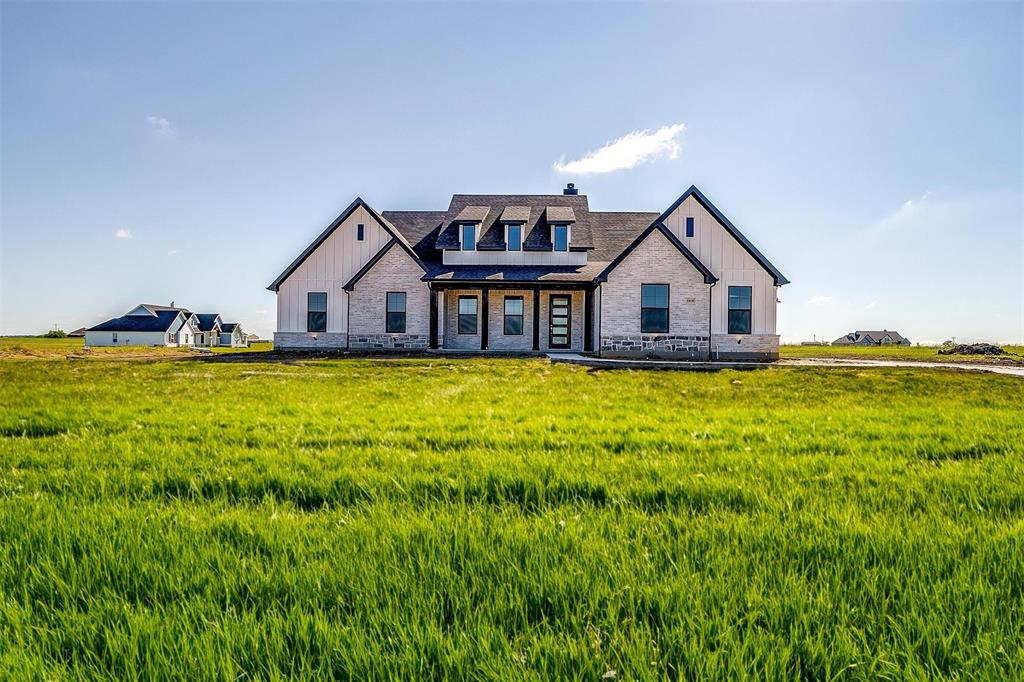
(819, 300)
(628, 151)
(871, 305)
(123, 234)
(173, 252)
(161, 125)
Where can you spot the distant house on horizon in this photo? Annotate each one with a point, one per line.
(149, 324)
(872, 338)
(78, 333)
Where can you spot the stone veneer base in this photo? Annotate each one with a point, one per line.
(388, 342)
(310, 341)
(655, 346)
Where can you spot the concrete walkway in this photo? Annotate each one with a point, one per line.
(608, 363)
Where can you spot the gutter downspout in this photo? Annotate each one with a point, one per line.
(710, 304)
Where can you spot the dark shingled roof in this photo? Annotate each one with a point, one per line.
(206, 321)
(560, 214)
(228, 327)
(515, 214)
(515, 273)
(139, 323)
(538, 234)
(472, 214)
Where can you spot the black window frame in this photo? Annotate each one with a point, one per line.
(475, 315)
(360, 232)
(554, 238)
(462, 236)
(748, 310)
(310, 311)
(521, 316)
(689, 226)
(508, 243)
(388, 313)
(644, 325)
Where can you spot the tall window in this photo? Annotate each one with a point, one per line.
(654, 308)
(689, 227)
(513, 315)
(360, 232)
(396, 312)
(467, 314)
(561, 238)
(739, 310)
(469, 237)
(316, 311)
(514, 237)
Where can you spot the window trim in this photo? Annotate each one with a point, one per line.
(459, 314)
(729, 309)
(508, 245)
(689, 226)
(506, 316)
(462, 236)
(388, 312)
(667, 308)
(554, 239)
(360, 232)
(324, 311)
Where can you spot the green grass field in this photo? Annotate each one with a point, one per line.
(920, 353)
(223, 518)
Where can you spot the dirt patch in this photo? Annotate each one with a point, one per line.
(973, 349)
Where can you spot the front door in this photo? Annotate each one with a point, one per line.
(559, 311)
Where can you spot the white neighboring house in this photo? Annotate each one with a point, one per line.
(146, 325)
(209, 329)
(231, 334)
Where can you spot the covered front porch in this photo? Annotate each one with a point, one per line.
(515, 317)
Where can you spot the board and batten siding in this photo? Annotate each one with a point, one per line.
(732, 264)
(328, 269)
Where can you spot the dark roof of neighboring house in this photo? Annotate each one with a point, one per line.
(206, 321)
(159, 322)
(879, 335)
(155, 308)
(78, 332)
(228, 327)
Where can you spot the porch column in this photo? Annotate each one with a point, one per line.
(536, 319)
(588, 320)
(433, 319)
(484, 296)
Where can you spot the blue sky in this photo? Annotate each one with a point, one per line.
(874, 152)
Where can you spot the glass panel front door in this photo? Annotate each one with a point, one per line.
(559, 310)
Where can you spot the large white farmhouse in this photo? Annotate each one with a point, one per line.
(533, 273)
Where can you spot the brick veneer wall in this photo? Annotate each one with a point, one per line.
(367, 313)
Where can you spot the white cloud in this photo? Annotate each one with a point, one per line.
(161, 125)
(819, 300)
(871, 305)
(173, 252)
(123, 234)
(629, 151)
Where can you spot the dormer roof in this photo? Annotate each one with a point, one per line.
(515, 214)
(473, 214)
(560, 214)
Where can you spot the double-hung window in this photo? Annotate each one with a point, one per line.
(316, 311)
(560, 237)
(514, 237)
(654, 308)
(513, 315)
(739, 310)
(467, 314)
(396, 312)
(469, 237)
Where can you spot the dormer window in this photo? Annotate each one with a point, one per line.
(560, 237)
(469, 237)
(514, 237)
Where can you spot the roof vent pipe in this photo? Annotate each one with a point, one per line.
(570, 189)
